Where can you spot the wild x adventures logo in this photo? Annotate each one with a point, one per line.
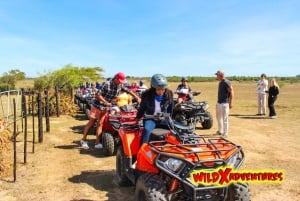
(226, 175)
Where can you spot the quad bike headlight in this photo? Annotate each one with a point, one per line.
(205, 107)
(232, 161)
(174, 164)
(182, 107)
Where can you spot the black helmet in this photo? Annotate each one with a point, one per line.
(158, 81)
(183, 79)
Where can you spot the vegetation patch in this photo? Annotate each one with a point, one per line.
(5, 151)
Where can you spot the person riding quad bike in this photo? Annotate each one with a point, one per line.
(158, 98)
(187, 110)
(184, 91)
(163, 168)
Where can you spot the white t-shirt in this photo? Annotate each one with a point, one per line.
(157, 107)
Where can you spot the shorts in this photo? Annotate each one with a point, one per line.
(96, 113)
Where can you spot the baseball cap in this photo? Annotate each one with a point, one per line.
(121, 77)
(219, 72)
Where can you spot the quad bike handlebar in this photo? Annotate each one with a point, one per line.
(194, 93)
(176, 128)
(158, 116)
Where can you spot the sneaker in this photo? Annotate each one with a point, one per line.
(98, 146)
(219, 133)
(273, 117)
(84, 144)
(133, 166)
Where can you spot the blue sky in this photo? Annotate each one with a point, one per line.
(144, 37)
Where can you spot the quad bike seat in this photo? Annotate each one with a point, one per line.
(158, 134)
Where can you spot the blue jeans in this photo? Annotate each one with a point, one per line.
(149, 125)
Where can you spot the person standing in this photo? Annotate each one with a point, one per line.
(103, 101)
(224, 103)
(158, 98)
(273, 94)
(262, 87)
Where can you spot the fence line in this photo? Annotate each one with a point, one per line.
(6, 103)
(14, 110)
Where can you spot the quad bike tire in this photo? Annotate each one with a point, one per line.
(122, 179)
(108, 143)
(75, 100)
(179, 118)
(208, 123)
(82, 106)
(239, 192)
(87, 112)
(150, 187)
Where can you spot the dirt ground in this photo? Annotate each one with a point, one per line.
(60, 170)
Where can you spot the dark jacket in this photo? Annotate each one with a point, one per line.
(147, 105)
(273, 92)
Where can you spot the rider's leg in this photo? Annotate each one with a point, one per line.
(149, 125)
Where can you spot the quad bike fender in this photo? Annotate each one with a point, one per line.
(146, 159)
(172, 139)
(131, 141)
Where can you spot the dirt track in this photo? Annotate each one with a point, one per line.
(60, 170)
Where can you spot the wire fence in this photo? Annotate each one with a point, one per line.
(6, 105)
(17, 107)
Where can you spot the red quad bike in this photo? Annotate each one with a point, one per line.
(161, 170)
(110, 137)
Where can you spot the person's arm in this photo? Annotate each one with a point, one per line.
(129, 99)
(177, 89)
(231, 96)
(100, 98)
(134, 95)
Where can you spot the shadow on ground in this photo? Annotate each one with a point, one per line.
(98, 153)
(243, 116)
(78, 129)
(104, 180)
(80, 116)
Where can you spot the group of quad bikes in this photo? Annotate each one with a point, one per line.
(161, 169)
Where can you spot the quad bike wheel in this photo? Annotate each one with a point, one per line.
(108, 143)
(122, 179)
(150, 187)
(238, 192)
(181, 119)
(87, 112)
(81, 106)
(208, 123)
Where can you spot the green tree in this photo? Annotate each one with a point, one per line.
(69, 77)
(9, 79)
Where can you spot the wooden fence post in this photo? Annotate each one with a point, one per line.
(47, 110)
(24, 116)
(57, 101)
(33, 129)
(40, 117)
(15, 141)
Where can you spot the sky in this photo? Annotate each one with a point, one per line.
(145, 37)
